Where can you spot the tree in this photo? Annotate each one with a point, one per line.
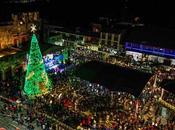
(36, 80)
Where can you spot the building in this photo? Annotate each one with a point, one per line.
(110, 38)
(62, 36)
(17, 31)
(16, 17)
(151, 44)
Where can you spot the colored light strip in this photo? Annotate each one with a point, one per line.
(153, 52)
(140, 47)
(128, 46)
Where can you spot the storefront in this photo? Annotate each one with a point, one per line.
(135, 55)
(141, 52)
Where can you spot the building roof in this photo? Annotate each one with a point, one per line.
(75, 30)
(168, 85)
(153, 36)
(113, 77)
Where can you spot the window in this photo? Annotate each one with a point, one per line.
(115, 37)
(109, 36)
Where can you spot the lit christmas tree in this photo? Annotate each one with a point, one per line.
(36, 80)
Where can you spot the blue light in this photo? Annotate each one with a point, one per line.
(149, 49)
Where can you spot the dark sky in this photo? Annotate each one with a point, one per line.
(159, 12)
(156, 12)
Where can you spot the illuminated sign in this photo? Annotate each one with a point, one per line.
(148, 49)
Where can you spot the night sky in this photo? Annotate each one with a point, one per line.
(155, 12)
(158, 12)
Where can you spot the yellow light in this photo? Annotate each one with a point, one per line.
(1, 55)
(13, 52)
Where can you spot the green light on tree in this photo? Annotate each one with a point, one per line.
(65, 55)
(36, 80)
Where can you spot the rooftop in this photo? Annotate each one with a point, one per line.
(74, 30)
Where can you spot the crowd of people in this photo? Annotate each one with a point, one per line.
(83, 54)
(82, 105)
(24, 116)
(118, 110)
(9, 88)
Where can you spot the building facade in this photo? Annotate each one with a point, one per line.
(110, 39)
(17, 31)
(141, 52)
(60, 36)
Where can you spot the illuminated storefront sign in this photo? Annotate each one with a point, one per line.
(148, 49)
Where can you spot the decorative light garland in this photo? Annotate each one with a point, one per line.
(166, 104)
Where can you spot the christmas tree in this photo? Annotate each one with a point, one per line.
(36, 80)
(65, 54)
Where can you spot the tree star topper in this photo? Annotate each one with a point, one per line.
(33, 28)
